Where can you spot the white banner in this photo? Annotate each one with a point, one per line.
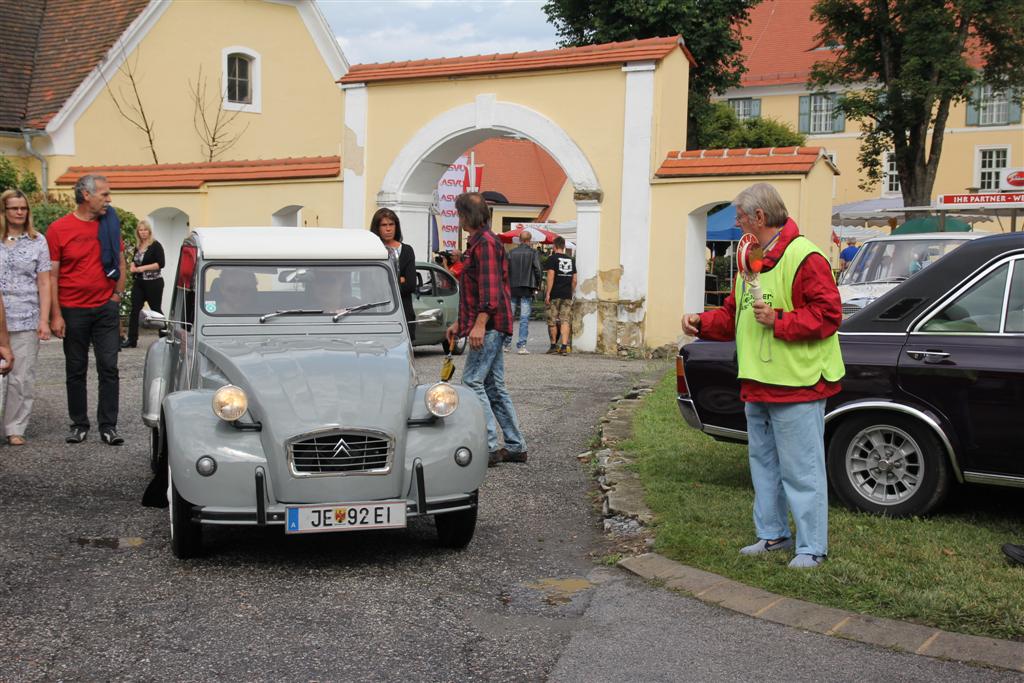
(448, 188)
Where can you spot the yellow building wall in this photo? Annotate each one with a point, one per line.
(673, 200)
(564, 208)
(670, 102)
(301, 106)
(958, 166)
(586, 103)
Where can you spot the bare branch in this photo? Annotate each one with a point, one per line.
(211, 121)
(130, 107)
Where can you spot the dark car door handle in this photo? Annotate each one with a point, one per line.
(928, 356)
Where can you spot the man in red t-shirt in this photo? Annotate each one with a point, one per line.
(85, 308)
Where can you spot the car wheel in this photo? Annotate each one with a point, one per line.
(457, 348)
(887, 464)
(186, 535)
(155, 453)
(455, 529)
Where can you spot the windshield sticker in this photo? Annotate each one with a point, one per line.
(211, 306)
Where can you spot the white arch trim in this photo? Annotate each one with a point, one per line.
(487, 113)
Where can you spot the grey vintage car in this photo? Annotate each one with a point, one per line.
(282, 392)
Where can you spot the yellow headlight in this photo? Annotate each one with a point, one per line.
(230, 403)
(441, 399)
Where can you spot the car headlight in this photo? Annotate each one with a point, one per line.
(230, 403)
(441, 399)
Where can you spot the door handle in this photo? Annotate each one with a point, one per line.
(927, 355)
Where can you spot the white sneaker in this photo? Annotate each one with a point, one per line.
(522, 351)
(806, 561)
(763, 546)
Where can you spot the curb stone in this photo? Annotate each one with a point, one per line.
(626, 513)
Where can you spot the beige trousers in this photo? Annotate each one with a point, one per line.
(21, 382)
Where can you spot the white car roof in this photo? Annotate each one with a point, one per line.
(930, 236)
(288, 243)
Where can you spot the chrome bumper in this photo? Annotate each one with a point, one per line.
(689, 412)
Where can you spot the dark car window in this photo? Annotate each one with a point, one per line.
(424, 281)
(1015, 309)
(979, 309)
(445, 284)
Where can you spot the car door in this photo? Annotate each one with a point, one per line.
(964, 358)
(428, 296)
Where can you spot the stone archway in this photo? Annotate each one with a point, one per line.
(410, 181)
(170, 228)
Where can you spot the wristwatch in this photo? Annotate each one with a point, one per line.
(119, 294)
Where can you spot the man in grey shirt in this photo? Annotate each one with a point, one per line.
(524, 276)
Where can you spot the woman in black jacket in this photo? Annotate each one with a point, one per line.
(388, 228)
(147, 284)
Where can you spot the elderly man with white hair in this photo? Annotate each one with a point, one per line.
(789, 363)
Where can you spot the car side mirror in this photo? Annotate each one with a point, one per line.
(151, 320)
(432, 315)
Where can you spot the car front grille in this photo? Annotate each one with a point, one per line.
(340, 452)
(850, 309)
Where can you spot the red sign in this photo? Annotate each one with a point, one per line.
(1015, 179)
(988, 199)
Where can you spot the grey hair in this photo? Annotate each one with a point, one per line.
(765, 197)
(86, 183)
(473, 210)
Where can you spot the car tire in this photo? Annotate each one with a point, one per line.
(887, 464)
(156, 460)
(186, 535)
(455, 529)
(457, 348)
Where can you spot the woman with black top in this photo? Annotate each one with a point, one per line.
(147, 285)
(386, 226)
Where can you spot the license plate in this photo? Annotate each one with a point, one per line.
(311, 519)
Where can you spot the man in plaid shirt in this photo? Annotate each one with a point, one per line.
(485, 317)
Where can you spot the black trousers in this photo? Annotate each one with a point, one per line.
(144, 291)
(99, 327)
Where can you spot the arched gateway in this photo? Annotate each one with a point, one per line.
(608, 114)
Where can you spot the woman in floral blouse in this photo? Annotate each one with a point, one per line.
(25, 282)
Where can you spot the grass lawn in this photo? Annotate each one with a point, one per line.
(945, 570)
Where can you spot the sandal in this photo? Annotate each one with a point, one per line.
(16, 440)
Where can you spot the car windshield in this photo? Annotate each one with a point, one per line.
(895, 260)
(247, 289)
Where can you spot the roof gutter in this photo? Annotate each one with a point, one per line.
(44, 165)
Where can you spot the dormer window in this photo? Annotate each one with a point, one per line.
(240, 79)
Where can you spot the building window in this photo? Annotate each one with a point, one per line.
(240, 79)
(891, 178)
(819, 115)
(993, 107)
(746, 107)
(991, 162)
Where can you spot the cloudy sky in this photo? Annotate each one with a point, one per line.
(398, 30)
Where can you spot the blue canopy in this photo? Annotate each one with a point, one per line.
(722, 225)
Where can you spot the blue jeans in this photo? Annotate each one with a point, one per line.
(786, 447)
(485, 375)
(525, 304)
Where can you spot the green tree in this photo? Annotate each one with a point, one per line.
(710, 28)
(911, 60)
(8, 174)
(720, 129)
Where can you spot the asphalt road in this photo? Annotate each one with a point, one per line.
(90, 591)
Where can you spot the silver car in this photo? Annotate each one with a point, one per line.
(282, 393)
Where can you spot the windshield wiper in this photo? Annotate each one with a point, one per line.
(292, 311)
(886, 280)
(361, 307)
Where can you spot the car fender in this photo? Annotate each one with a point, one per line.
(934, 421)
(433, 443)
(194, 431)
(155, 378)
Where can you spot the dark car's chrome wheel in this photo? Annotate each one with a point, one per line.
(887, 464)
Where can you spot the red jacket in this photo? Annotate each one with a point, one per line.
(817, 313)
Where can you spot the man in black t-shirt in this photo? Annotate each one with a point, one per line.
(561, 283)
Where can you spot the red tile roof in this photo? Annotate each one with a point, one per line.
(521, 170)
(760, 161)
(48, 48)
(192, 176)
(589, 55)
(779, 44)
